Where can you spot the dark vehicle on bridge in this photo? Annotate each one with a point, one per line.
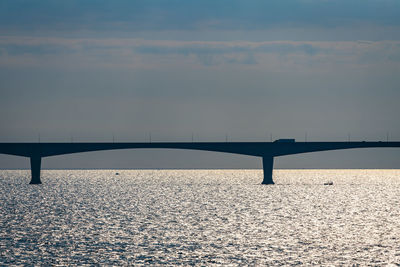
(285, 141)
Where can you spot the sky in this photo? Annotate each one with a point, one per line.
(249, 70)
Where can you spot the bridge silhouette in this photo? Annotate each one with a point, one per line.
(266, 150)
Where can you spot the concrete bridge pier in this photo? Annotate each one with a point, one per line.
(35, 169)
(268, 166)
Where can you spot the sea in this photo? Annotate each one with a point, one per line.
(200, 218)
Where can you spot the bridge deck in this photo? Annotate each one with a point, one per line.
(266, 150)
(245, 148)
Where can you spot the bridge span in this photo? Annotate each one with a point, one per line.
(266, 150)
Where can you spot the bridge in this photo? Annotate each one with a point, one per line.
(266, 150)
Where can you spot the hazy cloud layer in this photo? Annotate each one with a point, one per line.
(139, 53)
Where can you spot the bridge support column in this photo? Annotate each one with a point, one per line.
(268, 165)
(35, 170)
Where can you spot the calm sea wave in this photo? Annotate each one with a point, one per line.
(200, 217)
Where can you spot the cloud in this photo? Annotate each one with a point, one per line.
(140, 53)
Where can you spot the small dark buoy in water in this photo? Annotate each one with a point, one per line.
(328, 183)
(117, 173)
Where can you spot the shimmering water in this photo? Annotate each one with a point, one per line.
(200, 217)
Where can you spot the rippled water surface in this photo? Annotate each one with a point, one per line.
(200, 217)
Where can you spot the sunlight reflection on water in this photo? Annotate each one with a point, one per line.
(200, 217)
